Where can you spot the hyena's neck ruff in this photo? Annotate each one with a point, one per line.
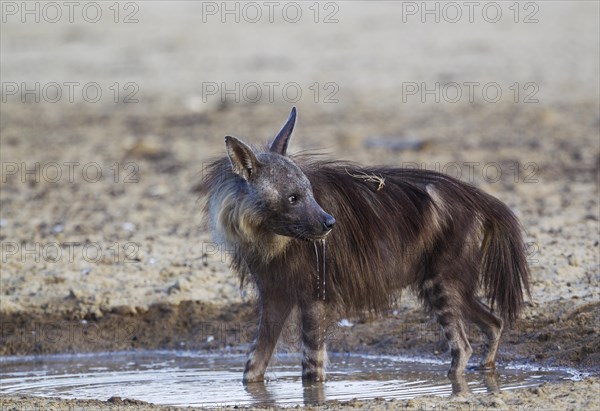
(237, 225)
(443, 238)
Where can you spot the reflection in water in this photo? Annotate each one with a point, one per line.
(260, 394)
(459, 385)
(490, 379)
(184, 378)
(314, 392)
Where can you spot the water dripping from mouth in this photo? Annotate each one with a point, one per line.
(321, 284)
(321, 268)
(324, 260)
(317, 274)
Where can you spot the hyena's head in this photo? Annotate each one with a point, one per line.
(279, 194)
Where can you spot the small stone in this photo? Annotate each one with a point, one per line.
(498, 403)
(158, 190)
(129, 226)
(180, 285)
(573, 261)
(74, 294)
(174, 289)
(124, 310)
(147, 151)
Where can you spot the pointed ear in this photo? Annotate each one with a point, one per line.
(243, 160)
(282, 139)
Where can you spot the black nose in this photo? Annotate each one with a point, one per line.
(328, 223)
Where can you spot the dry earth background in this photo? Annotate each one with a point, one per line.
(124, 262)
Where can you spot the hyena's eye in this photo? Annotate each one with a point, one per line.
(292, 199)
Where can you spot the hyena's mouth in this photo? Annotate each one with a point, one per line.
(318, 230)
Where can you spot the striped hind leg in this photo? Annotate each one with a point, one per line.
(460, 349)
(445, 303)
(314, 324)
(491, 327)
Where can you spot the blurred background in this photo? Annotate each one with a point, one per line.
(111, 109)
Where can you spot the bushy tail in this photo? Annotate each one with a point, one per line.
(505, 274)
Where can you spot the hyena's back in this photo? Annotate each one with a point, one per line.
(404, 227)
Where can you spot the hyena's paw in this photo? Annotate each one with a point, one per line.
(253, 373)
(313, 364)
(251, 377)
(313, 367)
(313, 375)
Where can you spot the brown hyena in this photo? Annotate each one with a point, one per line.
(386, 229)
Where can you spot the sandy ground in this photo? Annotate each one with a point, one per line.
(126, 252)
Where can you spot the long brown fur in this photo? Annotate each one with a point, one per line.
(444, 238)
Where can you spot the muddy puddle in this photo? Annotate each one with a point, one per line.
(211, 380)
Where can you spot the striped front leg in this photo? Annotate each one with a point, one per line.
(314, 325)
(272, 319)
